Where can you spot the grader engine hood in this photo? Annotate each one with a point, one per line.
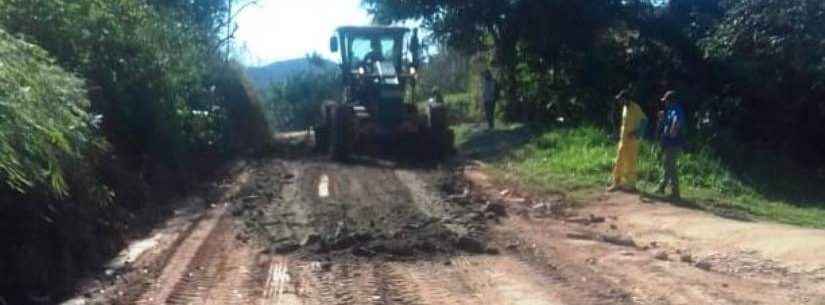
(387, 96)
(382, 103)
(391, 110)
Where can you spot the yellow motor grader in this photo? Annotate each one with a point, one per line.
(377, 113)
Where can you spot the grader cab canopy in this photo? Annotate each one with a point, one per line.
(394, 46)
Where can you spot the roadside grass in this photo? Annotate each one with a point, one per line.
(577, 161)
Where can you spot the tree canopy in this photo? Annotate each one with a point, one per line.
(751, 69)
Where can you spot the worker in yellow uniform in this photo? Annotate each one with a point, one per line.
(633, 125)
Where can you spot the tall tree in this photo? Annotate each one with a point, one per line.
(776, 51)
(547, 36)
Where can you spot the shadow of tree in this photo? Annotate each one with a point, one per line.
(721, 210)
(776, 177)
(480, 143)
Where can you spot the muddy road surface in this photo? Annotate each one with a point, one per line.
(309, 231)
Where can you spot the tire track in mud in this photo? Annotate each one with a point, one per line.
(356, 283)
(237, 277)
(442, 285)
(396, 286)
(134, 294)
(313, 284)
(196, 285)
(176, 268)
(466, 280)
(282, 286)
(208, 268)
(469, 280)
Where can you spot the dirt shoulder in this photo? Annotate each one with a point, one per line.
(656, 253)
(799, 249)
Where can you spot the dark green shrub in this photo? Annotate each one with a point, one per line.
(46, 132)
(245, 128)
(149, 65)
(296, 103)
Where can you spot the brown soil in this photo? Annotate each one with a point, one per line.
(707, 234)
(308, 231)
(367, 209)
(655, 253)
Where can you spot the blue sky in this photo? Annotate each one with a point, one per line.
(275, 30)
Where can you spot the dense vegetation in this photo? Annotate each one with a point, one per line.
(40, 149)
(295, 103)
(104, 106)
(577, 161)
(148, 66)
(749, 70)
(750, 73)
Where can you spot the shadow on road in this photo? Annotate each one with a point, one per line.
(718, 209)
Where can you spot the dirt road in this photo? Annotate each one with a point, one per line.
(308, 231)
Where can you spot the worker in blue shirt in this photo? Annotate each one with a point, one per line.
(672, 141)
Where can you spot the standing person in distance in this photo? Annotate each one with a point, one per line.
(488, 97)
(672, 141)
(634, 121)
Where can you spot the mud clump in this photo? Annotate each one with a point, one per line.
(369, 211)
(495, 209)
(472, 245)
(415, 238)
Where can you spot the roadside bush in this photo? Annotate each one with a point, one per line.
(245, 129)
(46, 133)
(149, 71)
(53, 204)
(160, 91)
(296, 103)
(771, 51)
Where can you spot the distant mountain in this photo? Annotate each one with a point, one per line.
(262, 77)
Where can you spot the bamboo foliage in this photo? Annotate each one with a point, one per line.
(45, 126)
